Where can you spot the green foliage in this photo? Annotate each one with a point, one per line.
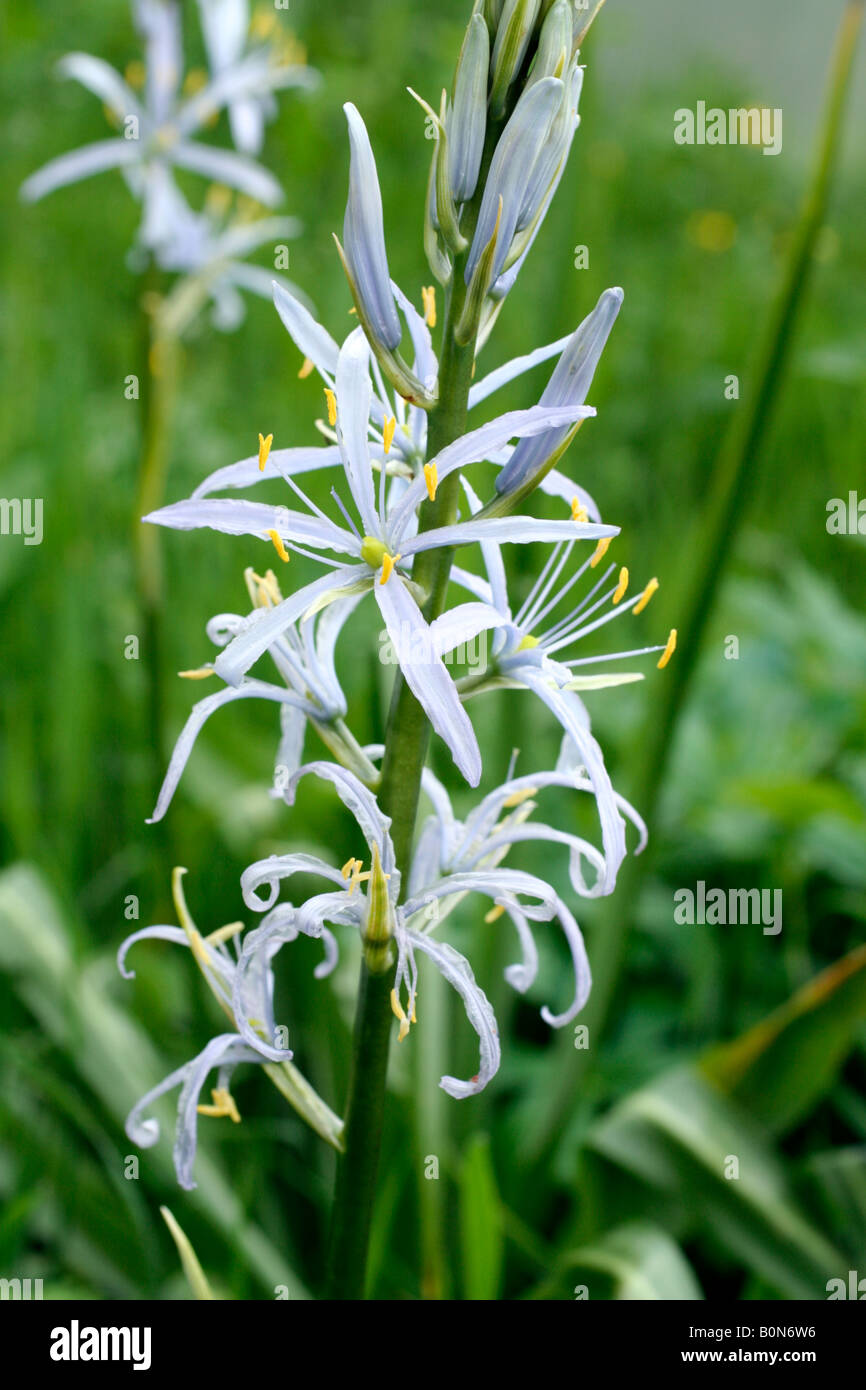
(724, 1042)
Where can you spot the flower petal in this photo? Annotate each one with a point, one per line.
(458, 972)
(364, 235)
(242, 518)
(265, 624)
(175, 934)
(198, 716)
(374, 826)
(562, 705)
(281, 463)
(515, 530)
(426, 675)
(225, 166)
(79, 164)
(478, 444)
(309, 337)
(103, 80)
(354, 398)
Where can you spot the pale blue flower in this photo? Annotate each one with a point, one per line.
(156, 132)
(381, 546)
(569, 384)
(407, 452)
(525, 651)
(414, 923)
(311, 694)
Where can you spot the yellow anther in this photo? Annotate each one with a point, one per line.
(218, 199)
(646, 596)
(265, 442)
(428, 295)
(400, 1013)
(494, 914)
(669, 650)
(351, 872)
(621, 586)
(223, 1105)
(216, 938)
(195, 79)
(578, 510)
(135, 73)
(600, 551)
(264, 22)
(528, 643)
(517, 798)
(332, 406)
(278, 545)
(388, 563)
(431, 478)
(200, 674)
(388, 432)
(306, 368)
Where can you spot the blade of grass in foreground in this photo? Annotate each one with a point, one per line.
(734, 480)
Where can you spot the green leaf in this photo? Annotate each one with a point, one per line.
(681, 1138)
(781, 1067)
(188, 1258)
(637, 1261)
(114, 1057)
(481, 1223)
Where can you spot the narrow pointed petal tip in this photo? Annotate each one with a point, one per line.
(364, 235)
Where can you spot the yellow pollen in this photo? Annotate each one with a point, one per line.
(306, 368)
(388, 563)
(578, 510)
(351, 871)
(332, 406)
(646, 596)
(223, 1105)
(278, 545)
(201, 674)
(494, 914)
(600, 551)
(622, 585)
(428, 295)
(224, 933)
(400, 1013)
(431, 478)
(516, 798)
(135, 73)
(388, 432)
(528, 643)
(669, 650)
(265, 442)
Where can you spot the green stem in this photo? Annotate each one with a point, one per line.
(407, 741)
(734, 480)
(356, 1171)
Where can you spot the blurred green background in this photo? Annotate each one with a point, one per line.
(607, 1172)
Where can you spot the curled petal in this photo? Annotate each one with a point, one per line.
(273, 870)
(458, 972)
(175, 934)
(200, 713)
